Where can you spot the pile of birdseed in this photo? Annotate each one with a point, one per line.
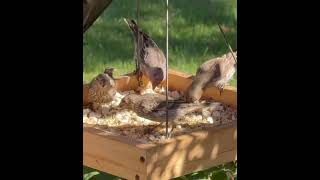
(127, 123)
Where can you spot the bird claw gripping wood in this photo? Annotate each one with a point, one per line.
(139, 77)
(221, 88)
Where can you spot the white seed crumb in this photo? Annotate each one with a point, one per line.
(210, 120)
(86, 112)
(151, 137)
(174, 94)
(162, 137)
(206, 113)
(216, 114)
(94, 114)
(198, 117)
(85, 119)
(92, 120)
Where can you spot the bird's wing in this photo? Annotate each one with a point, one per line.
(213, 75)
(154, 57)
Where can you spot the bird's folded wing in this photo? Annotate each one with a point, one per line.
(154, 57)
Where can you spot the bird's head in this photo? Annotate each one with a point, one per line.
(105, 80)
(109, 71)
(156, 76)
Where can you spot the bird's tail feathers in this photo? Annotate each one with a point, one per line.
(132, 25)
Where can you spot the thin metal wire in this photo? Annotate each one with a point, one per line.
(224, 36)
(138, 36)
(227, 43)
(167, 60)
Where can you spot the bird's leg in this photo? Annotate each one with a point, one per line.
(173, 125)
(140, 83)
(220, 87)
(137, 70)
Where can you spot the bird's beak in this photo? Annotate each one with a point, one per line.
(125, 20)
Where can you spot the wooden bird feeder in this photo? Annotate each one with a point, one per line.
(174, 157)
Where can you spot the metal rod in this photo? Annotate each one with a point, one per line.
(167, 60)
(138, 36)
(227, 43)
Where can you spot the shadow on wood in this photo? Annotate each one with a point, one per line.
(171, 158)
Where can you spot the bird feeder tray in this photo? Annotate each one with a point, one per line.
(174, 157)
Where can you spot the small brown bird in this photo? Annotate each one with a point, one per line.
(216, 72)
(102, 89)
(153, 107)
(151, 60)
(109, 71)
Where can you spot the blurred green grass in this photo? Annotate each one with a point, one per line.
(194, 36)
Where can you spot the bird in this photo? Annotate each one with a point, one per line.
(215, 72)
(102, 89)
(153, 107)
(109, 72)
(149, 57)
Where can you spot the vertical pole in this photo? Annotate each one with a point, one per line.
(167, 60)
(227, 43)
(138, 36)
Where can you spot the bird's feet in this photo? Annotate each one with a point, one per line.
(220, 87)
(171, 127)
(170, 132)
(139, 75)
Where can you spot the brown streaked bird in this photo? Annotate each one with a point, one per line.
(216, 72)
(102, 89)
(150, 58)
(153, 107)
(109, 71)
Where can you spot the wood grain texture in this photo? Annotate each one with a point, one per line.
(171, 158)
(112, 156)
(193, 152)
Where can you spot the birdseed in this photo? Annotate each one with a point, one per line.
(127, 123)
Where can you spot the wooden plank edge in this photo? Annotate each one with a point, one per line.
(147, 146)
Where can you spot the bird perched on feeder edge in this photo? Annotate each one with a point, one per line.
(102, 89)
(150, 58)
(216, 72)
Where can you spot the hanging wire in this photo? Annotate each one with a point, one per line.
(224, 36)
(227, 43)
(138, 36)
(167, 60)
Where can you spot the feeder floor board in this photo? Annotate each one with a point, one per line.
(174, 157)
